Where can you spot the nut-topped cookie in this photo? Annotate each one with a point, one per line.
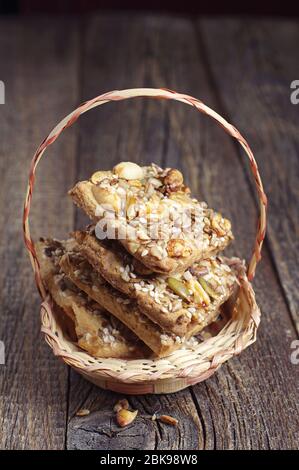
(98, 333)
(173, 302)
(152, 214)
(89, 301)
(86, 279)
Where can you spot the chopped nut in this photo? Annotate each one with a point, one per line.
(173, 179)
(131, 209)
(125, 417)
(156, 252)
(128, 171)
(178, 248)
(135, 183)
(154, 417)
(98, 176)
(133, 247)
(83, 412)
(217, 225)
(178, 196)
(121, 405)
(131, 212)
(155, 182)
(142, 235)
(104, 196)
(168, 420)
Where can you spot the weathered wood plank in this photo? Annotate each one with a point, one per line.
(39, 68)
(230, 410)
(253, 70)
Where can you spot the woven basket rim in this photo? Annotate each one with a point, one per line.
(231, 340)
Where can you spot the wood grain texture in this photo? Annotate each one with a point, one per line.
(39, 69)
(250, 400)
(52, 65)
(99, 430)
(257, 90)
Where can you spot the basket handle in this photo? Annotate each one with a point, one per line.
(158, 93)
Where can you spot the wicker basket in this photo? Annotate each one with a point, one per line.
(183, 367)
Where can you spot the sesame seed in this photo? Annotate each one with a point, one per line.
(191, 310)
(187, 276)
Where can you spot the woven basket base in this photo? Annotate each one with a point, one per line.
(179, 370)
(158, 387)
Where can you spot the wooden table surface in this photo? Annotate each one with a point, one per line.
(242, 68)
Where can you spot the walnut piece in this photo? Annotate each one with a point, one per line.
(173, 180)
(178, 248)
(99, 176)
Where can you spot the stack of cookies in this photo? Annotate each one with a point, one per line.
(145, 278)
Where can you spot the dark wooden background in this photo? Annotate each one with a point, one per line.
(242, 68)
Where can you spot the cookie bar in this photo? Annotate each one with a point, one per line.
(175, 303)
(151, 212)
(92, 291)
(99, 333)
(125, 309)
